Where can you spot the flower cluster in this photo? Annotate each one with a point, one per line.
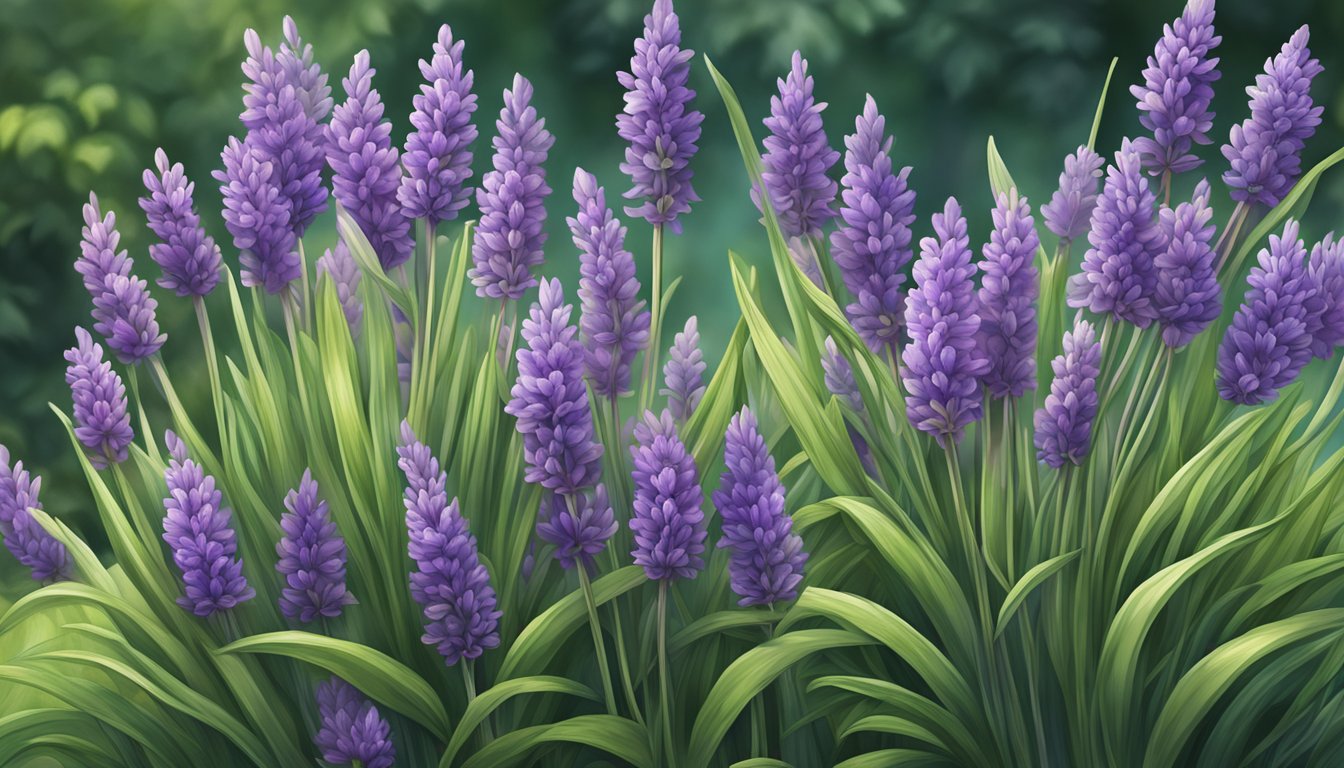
(683, 373)
(189, 258)
(123, 310)
(28, 541)
(1007, 299)
(1177, 91)
(1064, 423)
(797, 157)
(351, 731)
(312, 557)
(102, 417)
(1187, 297)
(438, 151)
(668, 523)
(578, 525)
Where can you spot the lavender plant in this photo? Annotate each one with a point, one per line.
(1050, 506)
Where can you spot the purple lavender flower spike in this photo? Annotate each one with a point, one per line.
(283, 105)
(1325, 312)
(1265, 150)
(614, 323)
(943, 361)
(188, 257)
(581, 534)
(296, 63)
(1188, 297)
(872, 245)
(838, 376)
(1118, 277)
(1007, 299)
(767, 556)
(511, 198)
(28, 541)
(1177, 91)
(340, 266)
(657, 122)
(365, 165)
(797, 157)
(258, 217)
(197, 529)
(668, 524)
(102, 418)
(438, 151)
(1064, 422)
(1268, 343)
(312, 557)
(449, 582)
(351, 731)
(1070, 208)
(123, 310)
(683, 381)
(550, 400)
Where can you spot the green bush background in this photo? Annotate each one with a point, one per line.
(88, 89)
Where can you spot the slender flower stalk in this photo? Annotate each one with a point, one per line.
(1268, 343)
(449, 583)
(872, 244)
(1070, 208)
(683, 375)
(344, 272)
(1177, 91)
(943, 361)
(123, 310)
(352, 733)
(509, 240)
(438, 151)
(198, 529)
(1064, 422)
(1188, 297)
(1007, 298)
(1325, 311)
(366, 170)
(1118, 277)
(797, 157)
(102, 415)
(312, 557)
(28, 541)
(1265, 150)
(614, 324)
(189, 258)
(767, 556)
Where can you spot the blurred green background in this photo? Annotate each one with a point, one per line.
(88, 89)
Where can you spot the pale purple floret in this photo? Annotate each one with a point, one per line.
(198, 530)
(123, 310)
(1064, 422)
(1070, 209)
(668, 523)
(24, 537)
(943, 361)
(1188, 297)
(258, 217)
(102, 416)
(683, 373)
(438, 151)
(872, 244)
(449, 582)
(366, 169)
(580, 533)
(296, 63)
(614, 324)
(1177, 91)
(550, 400)
(1118, 277)
(797, 157)
(312, 557)
(1007, 299)
(1265, 150)
(1268, 343)
(767, 559)
(657, 122)
(1325, 311)
(351, 730)
(338, 264)
(188, 256)
(509, 239)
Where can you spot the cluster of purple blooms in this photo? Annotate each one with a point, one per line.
(351, 731)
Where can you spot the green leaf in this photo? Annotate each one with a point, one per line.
(717, 622)
(760, 762)
(490, 700)
(1027, 584)
(893, 758)
(378, 675)
(1293, 205)
(1101, 106)
(622, 738)
(952, 734)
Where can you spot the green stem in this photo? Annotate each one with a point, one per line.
(147, 432)
(655, 324)
(291, 311)
(1230, 232)
(663, 692)
(594, 622)
(212, 365)
(469, 677)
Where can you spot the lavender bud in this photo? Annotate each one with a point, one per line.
(1187, 298)
(797, 157)
(102, 418)
(1064, 422)
(943, 362)
(351, 731)
(296, 63)
(1070, 208)
(123, 310)
(28, 541)
(438, 151)
(1325, 312)
(511, 198)
(580, 533)
(668, 524)
(340, 266)
(188, 257)
(1007, 299)
(683, 382)
(1268, 344)
(312, 557)
(1177, 91)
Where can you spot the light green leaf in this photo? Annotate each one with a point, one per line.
(485, 704)
(623, 738)
(1027, 584)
